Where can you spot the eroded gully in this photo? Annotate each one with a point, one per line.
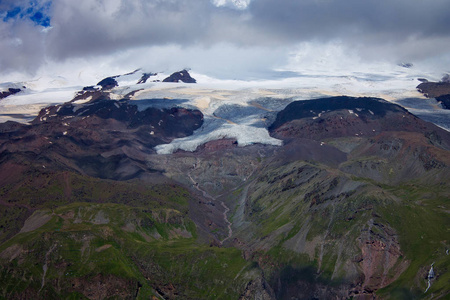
(215, 199)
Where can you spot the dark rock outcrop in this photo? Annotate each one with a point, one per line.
(434, 89)
(9, 92)
(108, 83)
(445, 101)
(183, 76)
(365, 107)
(145, 77)
(439, 90)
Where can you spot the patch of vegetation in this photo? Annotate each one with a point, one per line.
(422, 223)
(11, 220)
(83, 240)
(54, 189)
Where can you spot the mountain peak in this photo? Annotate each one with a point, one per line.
(183, 76)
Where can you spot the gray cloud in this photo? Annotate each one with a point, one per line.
(326, 18)
(88, 27)
(397, 29)
(22, 46)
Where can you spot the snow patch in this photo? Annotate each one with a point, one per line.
(211, 95)
(82, 101)
(353, 113)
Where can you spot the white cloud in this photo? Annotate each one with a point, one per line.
(237, 4)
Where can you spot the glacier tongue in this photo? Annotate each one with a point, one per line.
(244, 134)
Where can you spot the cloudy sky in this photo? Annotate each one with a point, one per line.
(222, 38)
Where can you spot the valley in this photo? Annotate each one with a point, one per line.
(351, 201)
(224, 150)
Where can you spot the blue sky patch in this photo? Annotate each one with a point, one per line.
(12, 13)
(40, 19)
(36, 13)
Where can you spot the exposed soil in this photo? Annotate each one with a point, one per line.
(37, 220)
(105, 286)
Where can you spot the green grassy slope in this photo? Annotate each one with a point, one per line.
(315, 227)
(139, 250)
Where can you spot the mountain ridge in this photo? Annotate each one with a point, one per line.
(320, 215)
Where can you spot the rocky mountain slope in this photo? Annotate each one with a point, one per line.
(353, 204)
(434, 89)
(439, 90)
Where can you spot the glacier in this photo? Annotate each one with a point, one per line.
(235, 109)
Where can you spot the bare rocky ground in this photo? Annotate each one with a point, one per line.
(353, 205)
